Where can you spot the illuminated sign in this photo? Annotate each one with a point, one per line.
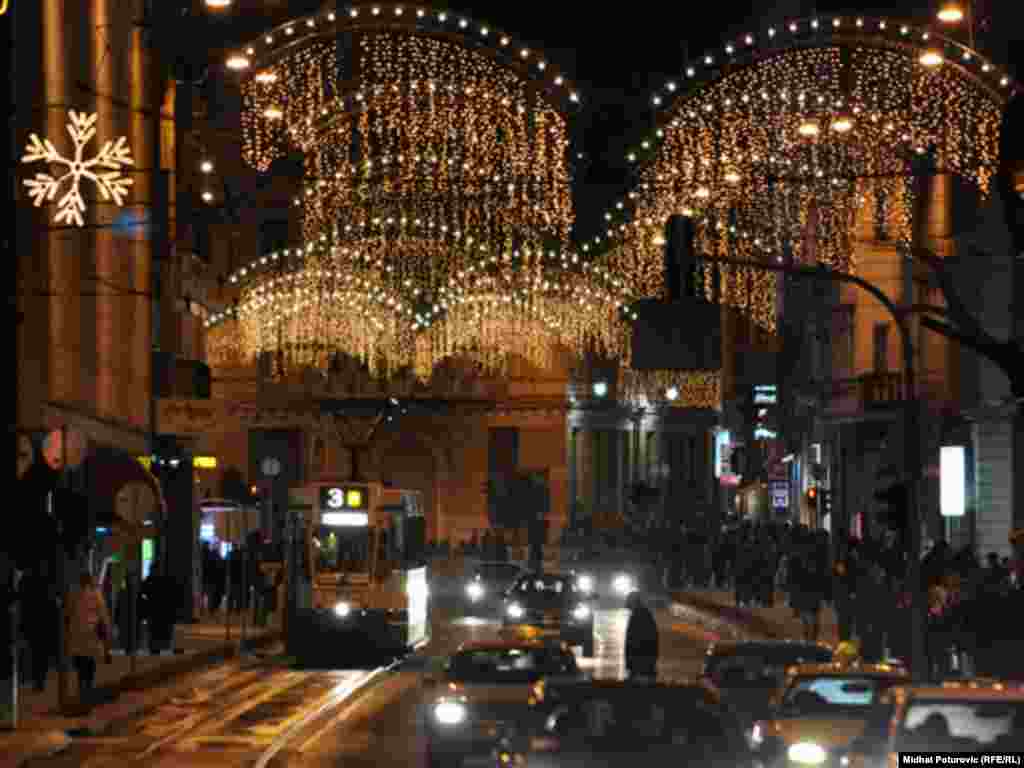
(146, 461)
(207, 532)
(952, 480)
(723, 454)
(765, 395)
(334, 497)
(345, 519)
(765, 434)
(204, 462)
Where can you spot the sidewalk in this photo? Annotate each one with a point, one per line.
(44, 730)
(717, 610)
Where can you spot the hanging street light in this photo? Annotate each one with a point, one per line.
(951, 12)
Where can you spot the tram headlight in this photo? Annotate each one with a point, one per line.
(585, 583)
(807, 753)
(514, 611)
(342, 610)
(623, 584)
(475, 590)
(448, 712)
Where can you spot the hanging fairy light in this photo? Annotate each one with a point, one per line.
(438, 182)
(780, 123)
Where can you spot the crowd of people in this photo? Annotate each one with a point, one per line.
(866, 584)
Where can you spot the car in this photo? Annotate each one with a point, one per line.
(821, 709)
(749, 674)
(483, 690)
(967, 716)
(485, 589)
(613, 723)
(611, 575)
(551, 606)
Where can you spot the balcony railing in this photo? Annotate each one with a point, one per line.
(867, 392)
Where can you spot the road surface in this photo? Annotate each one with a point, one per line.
(273, 716)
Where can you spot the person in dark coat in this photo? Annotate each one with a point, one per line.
(641, 639)
(158, 598)
(40, 622)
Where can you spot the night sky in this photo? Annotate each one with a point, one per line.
(619, 52)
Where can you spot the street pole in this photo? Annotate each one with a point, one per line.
(244, 559)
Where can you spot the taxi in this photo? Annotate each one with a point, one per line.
(545, 605)
(962, 716)
(820, 710)
(481, 691)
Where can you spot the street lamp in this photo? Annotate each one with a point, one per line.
(672, 393)
(951, 12)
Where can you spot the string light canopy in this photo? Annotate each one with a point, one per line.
(821, 115)
(437, 170)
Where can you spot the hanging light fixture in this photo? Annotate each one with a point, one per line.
(843, 123)
(931, 58)
(809, 129)
(951, 12)
(219, 5)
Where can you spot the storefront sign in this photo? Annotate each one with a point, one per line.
(201, 417)
(723, 454)
(780, 495)
(953, 480)
(204, 462)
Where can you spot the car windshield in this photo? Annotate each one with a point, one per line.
(497, 571)
(962, 726)
(633, 724)
(548, 586)
(761, 667)
(827, 695)
(509, 665)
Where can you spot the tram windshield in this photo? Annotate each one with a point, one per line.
(342, 550)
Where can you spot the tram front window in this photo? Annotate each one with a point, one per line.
(342, 551)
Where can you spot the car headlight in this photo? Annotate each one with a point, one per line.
(450, 712)
(475, 590)
(756, 736)
(342, 609)
(581, 612)
(806, 753)
(515, 611)
(585, 583)
(622, 584)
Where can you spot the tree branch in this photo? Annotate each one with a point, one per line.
(1004, 354)
(958, 312)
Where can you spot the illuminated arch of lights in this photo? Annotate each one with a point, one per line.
(820, 116)
(437, 193)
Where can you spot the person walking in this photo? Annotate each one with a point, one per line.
(641, 639)
(158, 599)
(88, 631)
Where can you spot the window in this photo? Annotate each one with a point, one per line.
(822, 695)
(963, 726)
(510, 665)
(881, 347)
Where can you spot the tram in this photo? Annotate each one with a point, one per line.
(363, 592)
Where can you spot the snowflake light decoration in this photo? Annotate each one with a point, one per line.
(111, 158)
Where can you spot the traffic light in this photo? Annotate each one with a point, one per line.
(894, 516)
(811, 494)
(825, 497)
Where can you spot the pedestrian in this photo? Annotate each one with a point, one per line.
(641, 640)
(158, 599)
(88, 627)
(40, 617)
